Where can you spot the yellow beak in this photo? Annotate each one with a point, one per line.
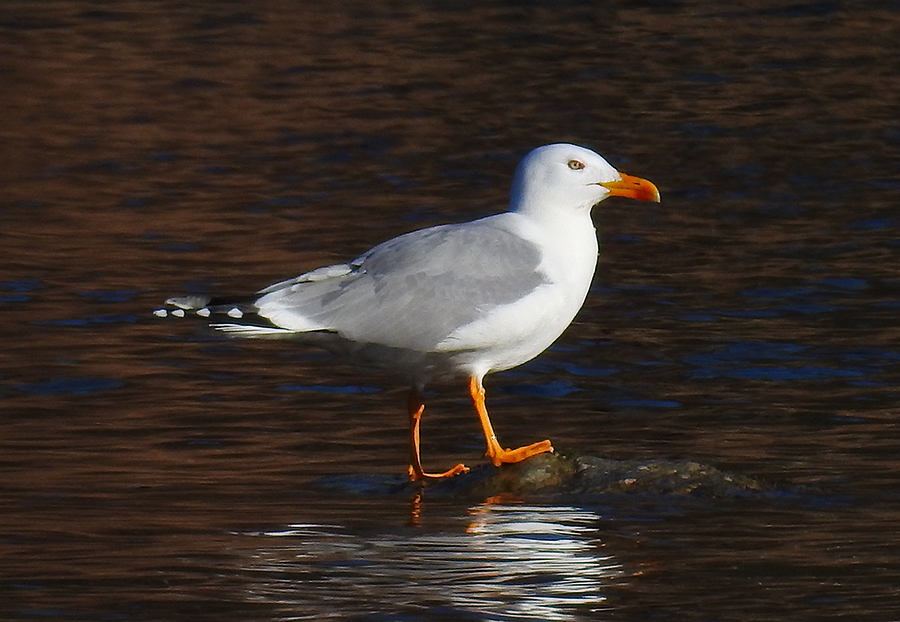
(633, 188)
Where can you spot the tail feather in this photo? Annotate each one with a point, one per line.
(252, 330)
(222, 313)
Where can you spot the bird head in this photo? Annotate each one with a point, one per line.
(568, 177)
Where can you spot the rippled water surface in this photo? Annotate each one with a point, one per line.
(748, 322)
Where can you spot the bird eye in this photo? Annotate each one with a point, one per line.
(576, 165)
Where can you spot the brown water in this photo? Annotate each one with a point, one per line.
(748, 322)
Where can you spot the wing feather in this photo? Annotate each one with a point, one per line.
(436, 280)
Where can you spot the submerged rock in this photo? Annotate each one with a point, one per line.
(566, 474)
(569, 474)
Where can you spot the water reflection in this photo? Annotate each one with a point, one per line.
(508, 562)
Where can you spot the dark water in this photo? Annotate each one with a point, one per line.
(748, 322)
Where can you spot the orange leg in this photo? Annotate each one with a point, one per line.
(497, 454)
(416, 473)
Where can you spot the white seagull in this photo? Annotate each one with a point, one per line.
(453, 301)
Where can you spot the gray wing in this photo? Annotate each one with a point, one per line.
(411, 291)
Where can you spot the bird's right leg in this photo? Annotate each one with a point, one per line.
(416, 472)
(497, 454)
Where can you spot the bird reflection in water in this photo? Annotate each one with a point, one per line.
(509, 562)
(546, 562)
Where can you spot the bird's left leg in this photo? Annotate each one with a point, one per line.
(495, 452)
(416, 472)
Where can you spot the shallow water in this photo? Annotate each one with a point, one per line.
(748, 322)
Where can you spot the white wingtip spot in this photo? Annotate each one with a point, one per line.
(160, 313)
(235, 313)
(204, 312)
(178, 312)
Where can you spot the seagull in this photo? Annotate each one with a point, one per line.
(455, 301)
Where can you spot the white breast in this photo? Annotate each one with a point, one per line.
(512, 334)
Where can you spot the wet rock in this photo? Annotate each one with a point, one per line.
(566, 474)
(570, 474)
